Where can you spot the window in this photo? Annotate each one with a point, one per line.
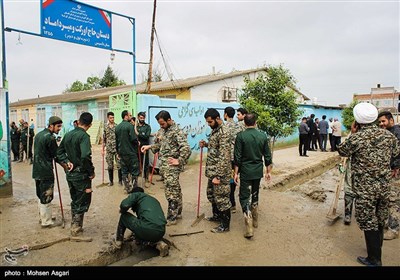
(13, 116)
(56, 111)
(25, 115)
(81, 108)
(102, 109)
(41, 117)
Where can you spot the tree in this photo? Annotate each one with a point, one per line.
(93, 82)
(110, 79)
(272, 100)
(347, 114)
(76, 86)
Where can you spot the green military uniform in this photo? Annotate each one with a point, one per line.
(76, 148)
(149, 222)
(111, 152)
(219, 166)
(144, 132)
(250, 147)
(174, 144)
(42, 170)
(127, 149)
(370, 150)
(24, 141)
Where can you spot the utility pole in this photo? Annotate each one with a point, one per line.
(153, 28)
(6, 189)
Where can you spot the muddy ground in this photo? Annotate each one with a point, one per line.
(293, 229)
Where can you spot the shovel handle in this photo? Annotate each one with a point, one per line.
(201, 167)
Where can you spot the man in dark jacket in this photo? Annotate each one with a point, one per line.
(27, 135)
(251, 147)
(143, 131)
(75, 151)
(149, 223)
(15, 136)
(42, 171)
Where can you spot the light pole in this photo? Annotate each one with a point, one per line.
(6, 188)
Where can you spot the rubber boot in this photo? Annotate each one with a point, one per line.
(215, 216)
(45, 215)
(225, 219)
(254, 214)
(127, 183)
(248, 221)
(134, 182)
(120, 177)
(163, 248)
(111, 177)
(380, 229)
(119, 237)
(348, 208)
(76, 224)
(374, 249)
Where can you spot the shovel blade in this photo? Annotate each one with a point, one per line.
(198, 220)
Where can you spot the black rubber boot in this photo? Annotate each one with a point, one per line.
(111, 177)
(225, 220)
(374, 249)
(120, 176)
(348, 208)
(215, 216)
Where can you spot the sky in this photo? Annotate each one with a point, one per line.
(333, 48)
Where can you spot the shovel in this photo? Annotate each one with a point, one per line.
(143, 166)
(332, 216)
(102, 174)
(59, 194)
(199, 217)
(154, 167)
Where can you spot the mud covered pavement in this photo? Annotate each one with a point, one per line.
(293, 229)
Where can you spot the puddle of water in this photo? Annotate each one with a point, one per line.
(135, 258)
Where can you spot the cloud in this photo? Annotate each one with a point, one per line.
(333, 49)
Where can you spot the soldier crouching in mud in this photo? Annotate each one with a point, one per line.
(148, 226)
(370, 149)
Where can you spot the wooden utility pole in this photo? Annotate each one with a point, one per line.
(153, 28)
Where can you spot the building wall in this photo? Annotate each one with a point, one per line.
(180, 94)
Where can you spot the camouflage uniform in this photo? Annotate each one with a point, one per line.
(392, 223)
(219, 166)
(111, 152)
(233, 129)
(174, 144)
(370, 150)
(241, 126)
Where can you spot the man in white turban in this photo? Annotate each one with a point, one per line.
(370, 150)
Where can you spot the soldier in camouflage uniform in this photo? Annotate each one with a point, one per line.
(386, 121)
(110, 144)
(127, 150)
(251, 146)
(218, 170)
(370, 150)
(233, 129)
(75, 151)
(174, 152)
(241, 113)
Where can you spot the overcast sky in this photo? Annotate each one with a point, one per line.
(333, 48)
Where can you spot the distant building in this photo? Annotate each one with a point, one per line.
(384, 98)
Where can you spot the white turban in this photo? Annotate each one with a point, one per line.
(365, 113)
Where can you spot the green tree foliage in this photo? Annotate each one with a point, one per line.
(110, 79)
(93, 82)
(273, 101)
(347, 114)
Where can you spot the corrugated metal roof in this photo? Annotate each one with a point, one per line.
(140, 88)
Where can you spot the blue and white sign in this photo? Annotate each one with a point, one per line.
(76, 22)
